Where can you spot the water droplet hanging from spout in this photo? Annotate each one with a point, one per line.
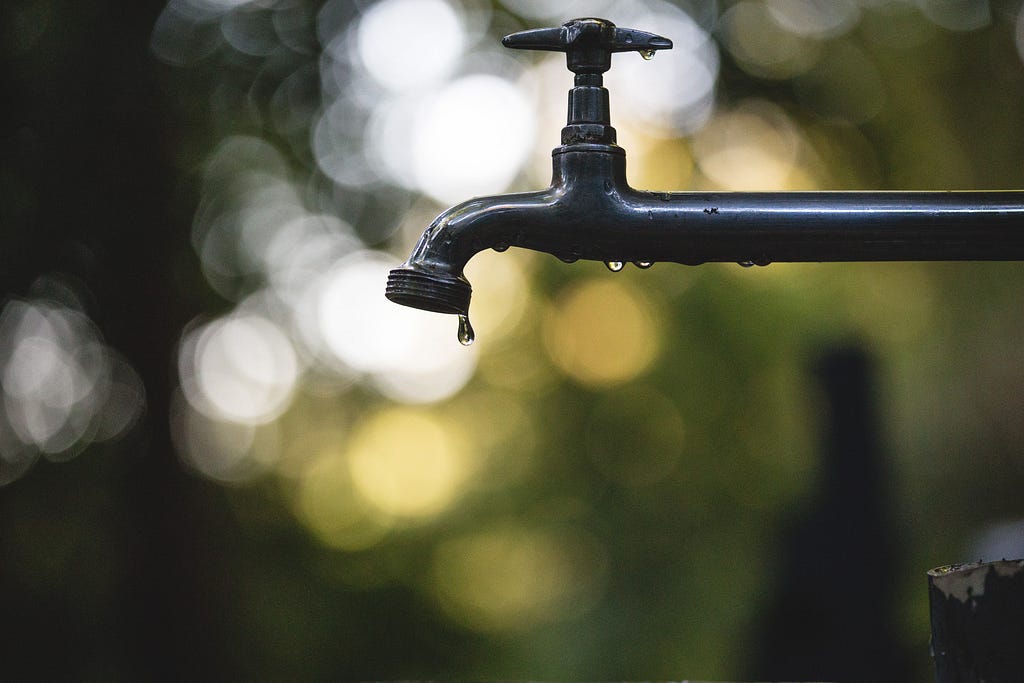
(647, 54)
(614, 266)
(466, 334)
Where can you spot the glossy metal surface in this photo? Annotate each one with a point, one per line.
(591, 212)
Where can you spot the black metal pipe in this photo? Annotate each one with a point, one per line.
(590, 212)
(837, 226)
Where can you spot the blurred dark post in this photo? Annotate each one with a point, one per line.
(171, 599)
(977, 614)
(91, 145)
(829, 618)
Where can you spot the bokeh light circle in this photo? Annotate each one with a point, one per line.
(409, 355)
(241, 368)
(407, 463)
(332, 509)
(226, 451)
(513, 576)
(752, 148)
(675, 90)
(61, 387)
(815, 18)
(410, 43)
(761, 46)
(472, 138)
(601, 332)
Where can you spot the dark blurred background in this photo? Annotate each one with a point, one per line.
(224, 455)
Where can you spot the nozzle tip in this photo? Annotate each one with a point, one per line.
(428, 291)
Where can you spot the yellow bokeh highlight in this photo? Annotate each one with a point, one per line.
(515, 577)
(752, 148)
(500, 291)
(518, 366)
(307, 443)
(602, 332)
(407, 463)
(761, 46)
(330, 507)
(660, 164)
(503, 429)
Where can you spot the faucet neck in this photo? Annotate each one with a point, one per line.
(589, 116)
(589, 170)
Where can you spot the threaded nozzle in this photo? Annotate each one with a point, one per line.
(428, 291)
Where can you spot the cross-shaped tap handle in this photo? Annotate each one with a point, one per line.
(588, 43)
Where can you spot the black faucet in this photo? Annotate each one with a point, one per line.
(591, 212)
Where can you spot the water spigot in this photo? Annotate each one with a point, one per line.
(589, 211)
(588, 45)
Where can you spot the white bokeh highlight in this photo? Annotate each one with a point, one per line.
(409, 355)
(472, 138)
(674, 90)
(61, 387)
(410, 43)
(242, 368)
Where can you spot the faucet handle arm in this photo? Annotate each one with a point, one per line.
(629, 39)
(588, 43)
(549, 39)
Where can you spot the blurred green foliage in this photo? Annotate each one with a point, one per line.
(634, 530)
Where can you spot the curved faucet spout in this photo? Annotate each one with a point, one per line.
(432, 278)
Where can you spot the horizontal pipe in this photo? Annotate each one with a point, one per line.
(821, 226)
